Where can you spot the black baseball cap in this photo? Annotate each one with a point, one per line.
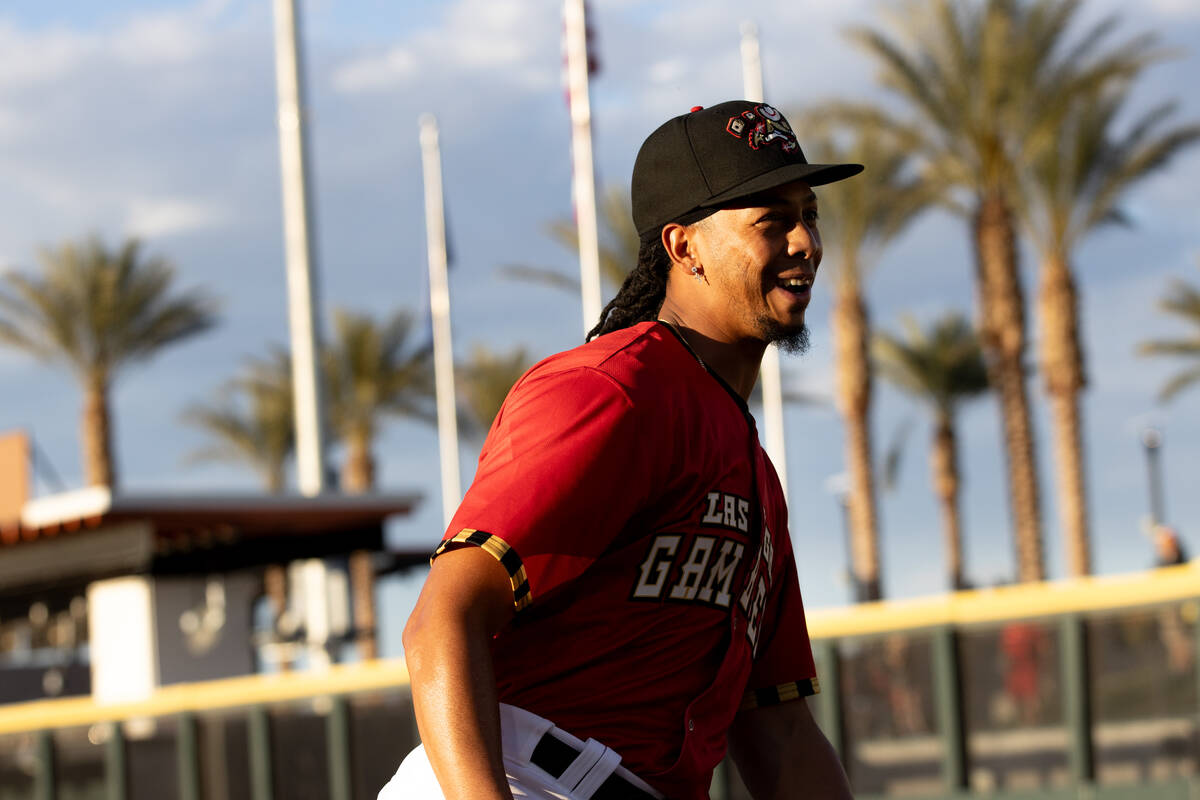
(694, 163)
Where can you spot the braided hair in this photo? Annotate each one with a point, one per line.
(642, 293)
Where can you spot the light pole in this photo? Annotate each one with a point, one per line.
(1152, 441)
(838, 485)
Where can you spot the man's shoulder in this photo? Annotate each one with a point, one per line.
(633, 357)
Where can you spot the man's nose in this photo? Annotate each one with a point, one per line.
(804, 241)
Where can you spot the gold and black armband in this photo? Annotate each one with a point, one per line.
(502, 552)
(784, 692)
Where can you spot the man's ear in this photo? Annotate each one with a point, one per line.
(677, 240)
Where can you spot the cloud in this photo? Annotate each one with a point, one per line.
(508, 40)
(152, 217)
(159, 39)
(667, 70)
(1176, 9)
(376, 72)
(12, 124)
(38, 59)
(44, 58)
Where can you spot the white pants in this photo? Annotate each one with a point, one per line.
(520, 733)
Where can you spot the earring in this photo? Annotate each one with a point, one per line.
(699, 276)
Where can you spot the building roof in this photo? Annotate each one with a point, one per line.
(180, 514)
(93, 533)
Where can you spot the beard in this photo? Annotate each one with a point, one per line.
(794, 341)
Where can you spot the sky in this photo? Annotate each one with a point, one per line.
(156, 118)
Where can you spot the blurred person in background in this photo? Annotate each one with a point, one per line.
(1168, 549)
(1177, 639)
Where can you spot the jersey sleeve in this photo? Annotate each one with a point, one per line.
(784, 668)
(559, 476)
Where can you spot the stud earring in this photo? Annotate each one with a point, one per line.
(699, 276)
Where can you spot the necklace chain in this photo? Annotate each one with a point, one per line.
(686, 344)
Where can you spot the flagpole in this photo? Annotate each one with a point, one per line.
(301, 270)
(439, 309)
(770, 372)
(583, 178)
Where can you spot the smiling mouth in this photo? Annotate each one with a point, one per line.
(800, 287)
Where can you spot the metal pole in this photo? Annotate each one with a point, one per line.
(116, 764)
(258, 735)
(337, 735)
(770, 372)
(1152, 440)
(858, 587)
(828, 701)
(583, 177)
(301, 270)
(1077, 711)
(752, 80)
(44, 787)
(838, 486)
(947, 685)
(187, 756)
(439, 307)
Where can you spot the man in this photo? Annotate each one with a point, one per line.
(1168, 550)
(616, 602)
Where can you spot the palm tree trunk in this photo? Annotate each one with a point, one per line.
(362, 589)
(851, 331)
(358, 477)
(943, 462)
(358, 473)
(273, 478)
(1002, 332)
(96, 426)
(1062, 370)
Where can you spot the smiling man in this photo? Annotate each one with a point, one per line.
(615, 605)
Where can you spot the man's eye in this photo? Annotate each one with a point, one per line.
(811, 215)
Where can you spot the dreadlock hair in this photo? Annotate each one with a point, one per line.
(642, 293)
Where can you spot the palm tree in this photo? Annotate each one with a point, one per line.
(373, 369)
(857, 218)
(1183, 301)
(1073, 187)
(97, 311)
(618, 248)
(941, 368)
(252, 421)
(486, 379)
(986, 84)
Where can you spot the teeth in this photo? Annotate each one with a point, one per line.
(795, 283)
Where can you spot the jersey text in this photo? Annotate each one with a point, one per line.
(704, 574)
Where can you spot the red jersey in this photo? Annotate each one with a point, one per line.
(655, 586)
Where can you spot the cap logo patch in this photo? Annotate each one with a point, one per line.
(763, 126)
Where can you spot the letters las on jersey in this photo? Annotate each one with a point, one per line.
(705, 572)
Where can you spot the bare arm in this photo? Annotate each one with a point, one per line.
(466, 599)
(781, 753)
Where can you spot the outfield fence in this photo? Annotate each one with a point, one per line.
(1076, 689)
